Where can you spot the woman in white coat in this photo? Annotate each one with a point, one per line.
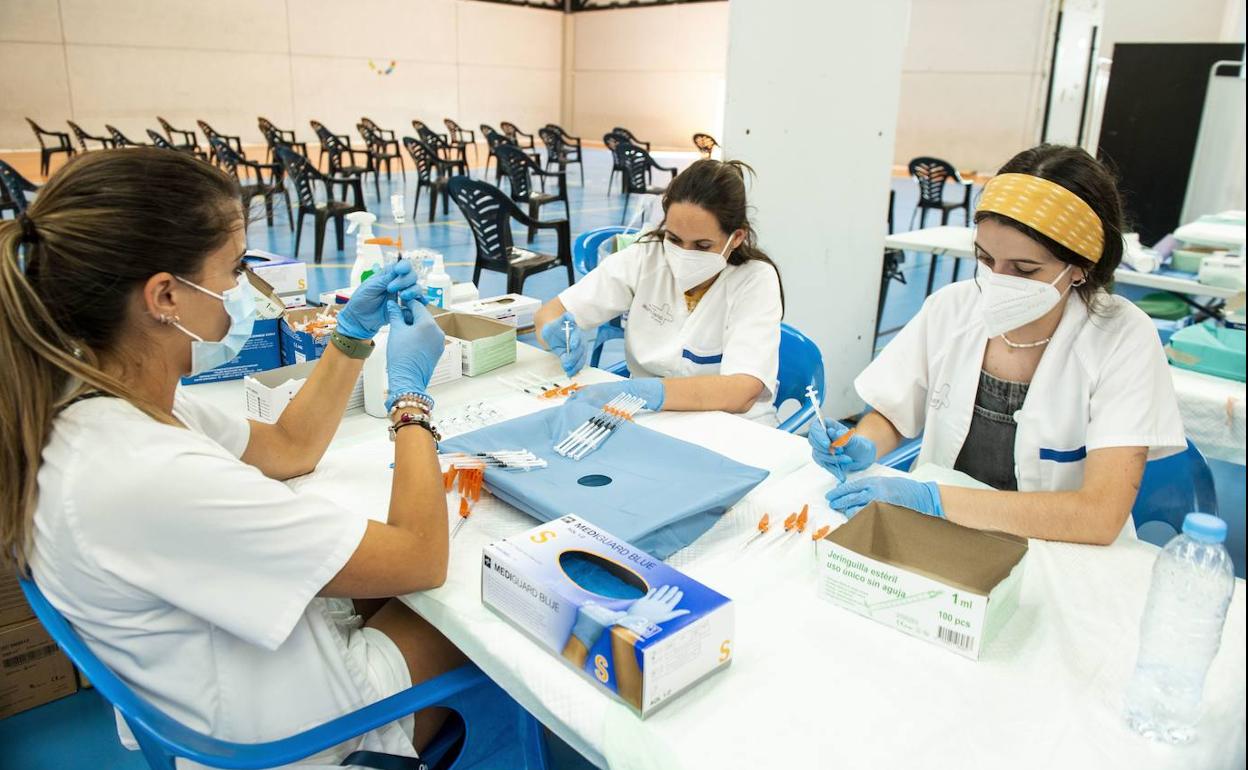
(1031, 378)
(704, 305)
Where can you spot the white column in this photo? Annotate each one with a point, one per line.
(812, 105)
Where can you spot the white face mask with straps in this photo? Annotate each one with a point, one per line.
(690, 267)
(1011, 301)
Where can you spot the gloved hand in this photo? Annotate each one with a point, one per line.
(572, 351)
(365, 313)
(657, 606)
(856, 455)
(649, 388)
(921, 496)
(413, 348)
(591, 620)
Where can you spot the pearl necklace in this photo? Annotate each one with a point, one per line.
(1024, 345)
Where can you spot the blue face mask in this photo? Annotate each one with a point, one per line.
(240, 305)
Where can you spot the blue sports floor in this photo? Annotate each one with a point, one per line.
(78, 732)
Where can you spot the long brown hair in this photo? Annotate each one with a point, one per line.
(718, 186)
(103, 225)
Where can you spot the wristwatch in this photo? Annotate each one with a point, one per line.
(409, 418)
(351, 347)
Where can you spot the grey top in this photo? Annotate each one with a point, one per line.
(988, 452)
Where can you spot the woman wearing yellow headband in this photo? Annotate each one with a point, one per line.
(1032, 378)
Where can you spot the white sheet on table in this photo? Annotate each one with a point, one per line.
(1213, 413)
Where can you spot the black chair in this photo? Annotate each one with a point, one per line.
(304, 176)
(13, 189)
(518, 165)
(492, 140)
(930, 174)
(705, 144)
(235, 142)
(637, 166)
(892, 271)
(522, 140)
(335, 148)
(559, 151)
(443, 148)
(83, 137)
(160, 141)
(432, 172)
(380, 149)
(320, 130)
(121, 140)
(461, 138)
(489, 213)
(624, 132)
(59, 143)
(254, 183)
(181, 139)
(274, 136)
(614, 143)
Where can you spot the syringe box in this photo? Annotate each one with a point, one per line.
(927, 577)
(537, 581)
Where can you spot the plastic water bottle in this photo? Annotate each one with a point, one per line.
(1181, 629)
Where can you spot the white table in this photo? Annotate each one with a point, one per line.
(813, 685)
(959, 242)
(1213, 411)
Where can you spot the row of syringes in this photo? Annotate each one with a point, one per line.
(596, 429)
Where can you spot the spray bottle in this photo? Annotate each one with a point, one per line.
(368, 255)
(438, 284)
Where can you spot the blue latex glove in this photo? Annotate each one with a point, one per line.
(856, 455)
(591, 620)
(853, 496)
(572, 351)
(365, 313)
(413, 348)
(655, 608)
(649, 388)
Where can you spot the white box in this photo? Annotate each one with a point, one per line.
(927, 577)
(515, 309)
(528, 580)
(287, 276)
(269, 393)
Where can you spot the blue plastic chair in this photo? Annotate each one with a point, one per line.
(1173, 487)
(904, 455)
(585, 258)
(497, 732)
(801, 364)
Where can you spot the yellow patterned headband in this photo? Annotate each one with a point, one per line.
(1048, 208)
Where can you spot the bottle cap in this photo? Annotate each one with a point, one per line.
(1204, 528)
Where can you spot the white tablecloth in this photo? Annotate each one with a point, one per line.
(1213, 413)
(814, 686)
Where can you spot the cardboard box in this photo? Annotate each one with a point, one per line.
(33, 670)
(526, 579)
(287, 276)
(300, 346)
(927, 577)
(262, 352)
(13, 606)
(269, 393)
(515, 309)
(486, 344)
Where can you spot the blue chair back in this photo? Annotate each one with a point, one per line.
(904, 455)
(497, 728)
(585, 247)
(1173, 487)
(801, 365)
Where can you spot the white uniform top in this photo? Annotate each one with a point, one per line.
(194, 577)
(735, 328)
(1103, 381)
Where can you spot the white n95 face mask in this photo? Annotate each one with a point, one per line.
(690, 267)
(240, 305)
(1011, 301)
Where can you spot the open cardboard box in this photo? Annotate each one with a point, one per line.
(927, 577)
(486, 344)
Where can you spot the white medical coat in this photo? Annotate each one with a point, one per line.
(1103, 381)
(734, 329)
(194, 577)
